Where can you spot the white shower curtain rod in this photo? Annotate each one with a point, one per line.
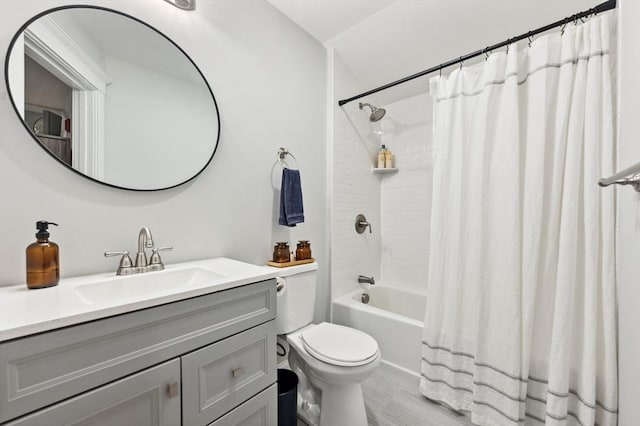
(602, 7)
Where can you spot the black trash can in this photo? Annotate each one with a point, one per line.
(287, 397)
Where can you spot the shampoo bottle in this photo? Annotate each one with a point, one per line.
(43, 264)
(388, 159)
(381, 156)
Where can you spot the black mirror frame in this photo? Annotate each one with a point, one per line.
(80, 6)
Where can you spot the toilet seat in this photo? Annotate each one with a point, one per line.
(339, 345)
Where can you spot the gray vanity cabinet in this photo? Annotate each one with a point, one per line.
(260, 410)
(205, 360)
(142, 399)
(221, 376)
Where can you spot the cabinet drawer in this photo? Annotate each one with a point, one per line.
(43, 369)
(261, 410)
(219, 377)
(141, 399)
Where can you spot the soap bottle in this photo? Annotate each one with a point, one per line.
(381, 156)
(43, 263)
(388, 159)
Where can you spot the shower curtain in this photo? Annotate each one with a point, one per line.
(520, 321)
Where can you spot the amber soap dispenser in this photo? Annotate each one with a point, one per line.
(43, 263)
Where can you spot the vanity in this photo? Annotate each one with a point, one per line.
(194, 344)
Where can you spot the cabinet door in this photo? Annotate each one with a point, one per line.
(151, 397)
(261, 410)
(219, 377)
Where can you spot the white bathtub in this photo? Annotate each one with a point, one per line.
(395, 318)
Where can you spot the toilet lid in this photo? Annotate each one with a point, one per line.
(339, 345)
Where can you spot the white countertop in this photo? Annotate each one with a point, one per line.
(24, 312)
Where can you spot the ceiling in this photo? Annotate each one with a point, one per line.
(325, 19)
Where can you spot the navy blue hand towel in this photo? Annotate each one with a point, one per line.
(291, 211)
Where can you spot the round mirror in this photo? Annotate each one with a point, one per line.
(112, 98)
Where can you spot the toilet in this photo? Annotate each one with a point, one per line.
(330, 360)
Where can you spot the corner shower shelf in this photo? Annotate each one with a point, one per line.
(383, 171)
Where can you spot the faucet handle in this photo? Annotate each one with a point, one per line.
(125, 261)
(362, 224)
(126, 266)
(155, 258)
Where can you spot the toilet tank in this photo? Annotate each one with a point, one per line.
(297, 297)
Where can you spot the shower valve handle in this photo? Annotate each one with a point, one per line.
(362, 224)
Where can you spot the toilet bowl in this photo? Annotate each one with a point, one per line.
(335, 367)
(331, 360)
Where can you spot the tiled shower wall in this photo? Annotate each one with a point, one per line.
(397, 205)
(406, 195)
(354, 189)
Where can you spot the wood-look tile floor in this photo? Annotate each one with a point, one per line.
(388, 404)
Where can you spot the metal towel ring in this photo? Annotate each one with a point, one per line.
(282, 154)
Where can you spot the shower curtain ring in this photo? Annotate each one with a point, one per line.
(563, 26)
(530, 37)
(460, 62)
(486, 54)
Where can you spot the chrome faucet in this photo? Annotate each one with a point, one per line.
(127, 267)
(144, 240)
(366, 280)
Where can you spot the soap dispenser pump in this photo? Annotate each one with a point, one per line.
(43, 263)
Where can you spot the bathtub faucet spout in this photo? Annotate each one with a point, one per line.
(366, 280)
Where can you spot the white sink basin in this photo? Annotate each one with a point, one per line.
(90, 297)
(146, 284)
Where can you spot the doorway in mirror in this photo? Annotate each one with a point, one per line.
(47, 109)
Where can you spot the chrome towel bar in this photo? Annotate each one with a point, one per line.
(628, 176)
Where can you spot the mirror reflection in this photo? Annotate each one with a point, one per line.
(112, 98)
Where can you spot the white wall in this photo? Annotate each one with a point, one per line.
(628, 234)
(145, 114)
(355, 189)
(270, 87)
(406, 195)
(16, 74)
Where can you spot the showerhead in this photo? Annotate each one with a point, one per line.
(376, 113)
